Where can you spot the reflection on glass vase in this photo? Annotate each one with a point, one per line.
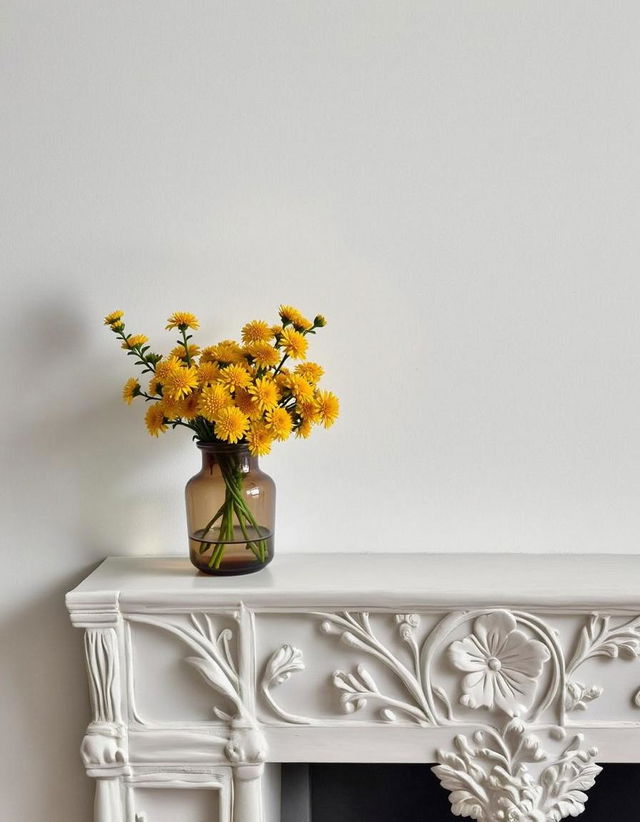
(230, 512)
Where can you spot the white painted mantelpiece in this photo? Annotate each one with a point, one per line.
(513, 673)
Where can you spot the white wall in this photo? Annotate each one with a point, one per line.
(455, 185)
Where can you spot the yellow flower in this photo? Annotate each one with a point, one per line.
(165, 368)
(256, 331)
(134, 340)
(180, 382)
(328, 407)
(155, 386)
(171, 408)
(154, 419)
(225, 352)
(309, 410)
(231, 424)
(265, 392)
(247, 404)
(182, 320)
(264, 355)
(259, 439)
(189, 406)
(114, 318)
(293, 343)
(234, 376)
(206, 355)
(304, 429)
(311, 371)
(213, 399)
(299, 387)
(282, 378)
(181, 353)
(289, 314)
(208, 372)
(130, 390)
(279, 422)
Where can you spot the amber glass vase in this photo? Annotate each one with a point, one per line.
(230, 512)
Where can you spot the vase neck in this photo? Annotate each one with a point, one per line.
(237, 456)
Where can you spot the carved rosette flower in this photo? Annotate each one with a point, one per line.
(501, 663)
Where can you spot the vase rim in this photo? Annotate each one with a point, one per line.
(225, 447)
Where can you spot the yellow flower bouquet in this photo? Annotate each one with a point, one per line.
(238, 398)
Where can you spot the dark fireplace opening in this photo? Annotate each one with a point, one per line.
(411, 793)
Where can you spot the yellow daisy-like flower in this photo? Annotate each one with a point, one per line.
(181, 382)
(181, 353)
(130, 390)
(264, 355)
(309, 410)
(155, 386)
(256, 331)
(166, 368)
(206, 355)
(328, 407)
(276, 330)
(182, 320)
(114, 318)
(213, 398)
(134, 341)
(299, 387)
(311, 371)
(282, 379)
(171, 408)
(189, 406)
(265, 392)
(279, 423)
(289, 314)
(260, 439)
(247, 404)
(231, 424)
(226, 352)
(303, 430)
(293, 343)
(233, 377)
(154, 419)
(208, 372)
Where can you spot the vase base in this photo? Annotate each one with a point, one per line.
(233, 572)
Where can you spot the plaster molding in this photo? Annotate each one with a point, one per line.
(489, 690)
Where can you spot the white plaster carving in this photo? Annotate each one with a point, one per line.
(409, 656)
(213, 660)
(281, 664)
(354, 630)
(599, 637)
(101, 650)
(492, 779)
(501, 663)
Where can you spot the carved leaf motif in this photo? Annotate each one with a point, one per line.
(577, 695)
(491, 781)
(282, 663)
(467, 797)
(214, 675)
(599, 638)
(354, 630)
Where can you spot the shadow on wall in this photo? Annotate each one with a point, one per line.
(67, 502)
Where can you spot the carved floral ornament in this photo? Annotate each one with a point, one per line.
(509, 671)
(511, 665)
(502, 664)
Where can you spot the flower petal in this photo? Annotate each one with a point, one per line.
(465, 655)
(492, 629)
(523, 654)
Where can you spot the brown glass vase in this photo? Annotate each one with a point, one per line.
(230, 512)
